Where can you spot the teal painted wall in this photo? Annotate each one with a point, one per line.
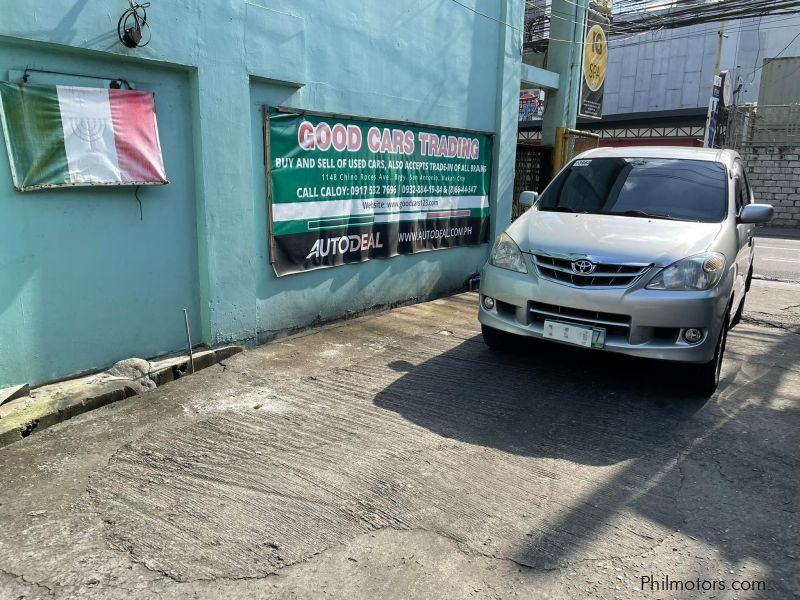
(83, 282)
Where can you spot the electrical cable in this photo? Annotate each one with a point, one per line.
(139, 200)
(746, 27)
(743, 29)
(131, 24)
(758, 52)
(771, 11)
(692, 12)
(485, 16)
(769, 60)
(697, 12)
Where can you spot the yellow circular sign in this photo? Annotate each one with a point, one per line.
(595, 58)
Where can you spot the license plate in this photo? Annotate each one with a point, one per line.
(579, 335)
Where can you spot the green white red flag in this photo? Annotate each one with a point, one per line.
(62, 136)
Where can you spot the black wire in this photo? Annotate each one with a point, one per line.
(139, 21)
(633, 17)
(629, 17)
(776, 57)
(139, 200)
(758, 51)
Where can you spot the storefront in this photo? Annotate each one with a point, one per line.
(93, 274)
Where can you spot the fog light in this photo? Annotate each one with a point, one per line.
(692, 335)
(488, 303)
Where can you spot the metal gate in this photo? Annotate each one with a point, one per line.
(752, 125)
(530, 174)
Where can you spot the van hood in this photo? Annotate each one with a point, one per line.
(612, 238)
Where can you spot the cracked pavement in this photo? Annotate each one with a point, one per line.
(396, 456)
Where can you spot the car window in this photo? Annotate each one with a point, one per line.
(747, 188)
(739, 191)
(689, 190)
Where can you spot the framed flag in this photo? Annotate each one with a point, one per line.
(65, 136)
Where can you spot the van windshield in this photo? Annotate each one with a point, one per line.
(663, 188)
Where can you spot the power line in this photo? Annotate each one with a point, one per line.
(769, 60)
(773, 7)
(693, 12)
(485, 16)
(744, 28)
(641, 16)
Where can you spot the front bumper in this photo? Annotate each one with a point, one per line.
(638, 321)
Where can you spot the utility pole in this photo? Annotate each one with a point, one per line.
(716, 94)
(722, 36)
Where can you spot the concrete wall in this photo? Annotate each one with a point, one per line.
(674, 69)
(774, 174)
(780, 83)
(84, 282)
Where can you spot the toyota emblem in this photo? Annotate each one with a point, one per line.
(583, 267)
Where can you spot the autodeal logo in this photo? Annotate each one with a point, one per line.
(344, 244)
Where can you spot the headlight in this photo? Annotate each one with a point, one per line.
(506, 255)
(696, 273)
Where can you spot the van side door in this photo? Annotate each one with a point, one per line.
(744, 232)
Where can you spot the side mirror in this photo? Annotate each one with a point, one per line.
(757, 213)
(528, 199)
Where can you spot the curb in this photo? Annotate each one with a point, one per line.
(788, 233)
(53, 404)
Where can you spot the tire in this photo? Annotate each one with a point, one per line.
(498, 340)
(737, 318)
(706, 376)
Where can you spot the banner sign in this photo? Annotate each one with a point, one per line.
(712, 119)
(531, 105)
(345, 190)
(63, 136)
(721, 97)
(595, 65)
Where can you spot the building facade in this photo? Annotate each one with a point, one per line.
(86, 279)
(658, 84)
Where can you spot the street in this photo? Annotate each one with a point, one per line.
(778, 256)
(396, 456)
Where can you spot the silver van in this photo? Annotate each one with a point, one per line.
(642, 251)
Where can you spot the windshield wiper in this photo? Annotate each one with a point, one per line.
(641, 213)
(565, 209)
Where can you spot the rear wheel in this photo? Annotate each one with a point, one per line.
(706, 377)
(496, 339)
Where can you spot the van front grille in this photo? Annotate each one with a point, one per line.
(602, 275)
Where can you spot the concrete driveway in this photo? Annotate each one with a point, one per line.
(395, 456)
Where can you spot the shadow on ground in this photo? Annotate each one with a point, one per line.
(545, 400)
(721, 471)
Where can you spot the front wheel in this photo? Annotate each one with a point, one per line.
(496, 339)
(737, 318)
(749, 280)
(707, 375)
